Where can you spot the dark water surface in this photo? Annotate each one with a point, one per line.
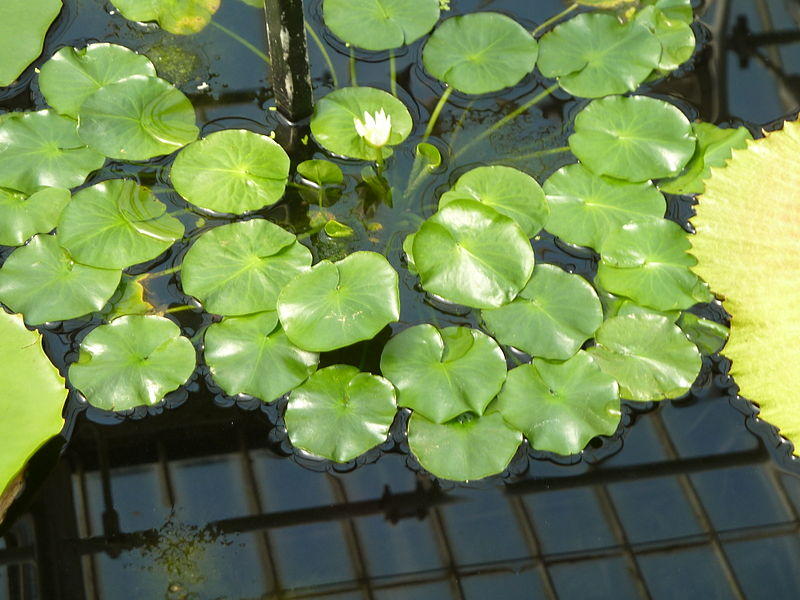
(204, 498)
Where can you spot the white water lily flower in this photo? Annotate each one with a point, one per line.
(374, 129)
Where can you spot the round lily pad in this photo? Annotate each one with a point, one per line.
(509, 191)
(42, 149)
(133, 361)
(233, 171)
(182, 17)
(464, 449)
(321, 172)
(674, 35)
(648, 355)
(252, 355)
(340, 413)
(334, 127)
(42, 281)
(560, 406)
(585, 208)
(676, 10)
(470, 254)
(380, 24)
(137, 118)
(635, 138)
(240, 268)
(333, 305)
(22, 216)
(551, 318)
(594, 55)
(116, 224)
(72, 75)
(442, 373)
(480, 52)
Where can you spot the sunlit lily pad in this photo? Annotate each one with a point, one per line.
(129, 299)
(132, 361)
(182, 17)
(137, 118)
(23, 216)
(442, 373)
(470, 254)
(480, 52)
(42, 281)
(240, 268)
(560, 406)
(551, 318)
(708, 336)
(23, 25)
(648, 355)
(675, 36)
(232, 171)
(321, 172)
(635, 138)
(116, 224)
(678, 10)
(333, 305)
(340, 413)
(252, 355)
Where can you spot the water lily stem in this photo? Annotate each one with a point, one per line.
(546, 152)
(353, 77)
(379, 161)
(436, 112)
(181, 308)
(155, 274)
(554, 19)
(324, 52)
(232, 34)
(393, 72)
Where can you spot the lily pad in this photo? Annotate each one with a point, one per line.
(635, 138)
(333, 305)
(340, 413)
(233, 171)
(675, 36)
(182, 17)
(443, 373)
(560, 406)
(252, 355)
(648, 355)
(479, 53)
(23, 216)
(677, 10)
(72, 75)
(137, 118)
(133, 361)
(551, 318)
(23, 25)
(321, 172)
(334, 127)
(470, 254)
(708, 336)
(509, 191)
(380, 24)
(42, 281)
(116, 224)
(129, 300)
(240, 268)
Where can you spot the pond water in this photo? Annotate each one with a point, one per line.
(203, 498)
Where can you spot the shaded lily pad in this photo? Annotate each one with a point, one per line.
(678, 10)
(333, 305)
(551, 318)
(240, 268)
(129, 300)
(321, 172)
(340, 413)
(23, 25)
(408, 247)
(708, 336)
(42, 281)
(470, 254)
(182, 17)
(232, 171)
(442, 373)
(132, 361)
(23, 216)
(252, 355)
(560, 406)
(480, 52)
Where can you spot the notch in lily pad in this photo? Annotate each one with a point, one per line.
(23, 216)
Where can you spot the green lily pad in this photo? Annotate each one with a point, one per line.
(560, 406)
(23, 25)
(43, 149)
(408, 248)
(321, 172)
(675, 36)
(333, 305)
(442, 373)
(23, 216)
(133, 361)
(635, 138)
(428, 156)
(72, 75)
(464, 449)
(648, 355)
(233, 171)
(129, 300)
(479, 53)
(470, 254)
(380, 24)
(340, 413)
(510, 192)
(551, 318)
(333, 121)
(594, 55)
(708, 336)
(137, 118)
(42, 281)
(676, 10)
(182, 17)
(252, 355)
(649, 263)
(240, 268)
(116, 224)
